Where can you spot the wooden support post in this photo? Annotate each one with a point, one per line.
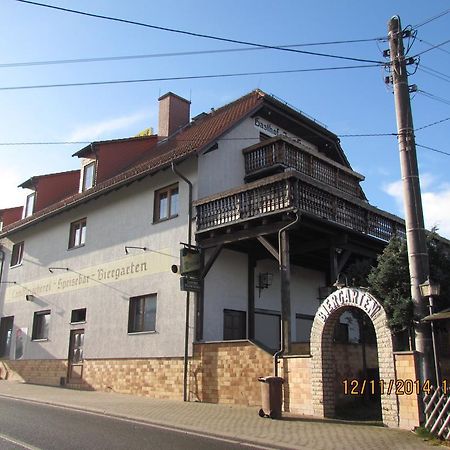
(251, 298)
(285, 276)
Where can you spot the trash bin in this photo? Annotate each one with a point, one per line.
(271, 397)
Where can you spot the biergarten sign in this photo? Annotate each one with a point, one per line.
(349, 297)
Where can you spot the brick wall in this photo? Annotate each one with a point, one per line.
(227, 372)
(42, 371)
(406, 369)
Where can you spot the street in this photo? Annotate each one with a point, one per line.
(35, 426)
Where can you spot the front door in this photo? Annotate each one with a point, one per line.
(6, 329)
(75, 369)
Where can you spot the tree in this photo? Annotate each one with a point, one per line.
(389, 279)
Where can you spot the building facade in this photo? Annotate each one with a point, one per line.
(88, 293)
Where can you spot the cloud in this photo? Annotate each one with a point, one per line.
(435, 202)
(11, 195)
(106, 128)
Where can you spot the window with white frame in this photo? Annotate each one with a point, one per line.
(17, 254)
(29, 205)
(77, 236)
(88, 176)
(166, 203)
(41, 325)
(142, 314)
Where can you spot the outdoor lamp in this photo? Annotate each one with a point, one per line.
(430, 288)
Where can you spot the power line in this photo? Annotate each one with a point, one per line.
(432, 124)
(443, 13)
(434, 97)
(191, 33)
(189, 77)
(171, 54)
(432, 149)
(433, 45)
(428, 49)
(437, 75)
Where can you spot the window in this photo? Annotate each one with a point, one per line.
(29, 205)
(166, 203)
(142, 314)
(88, 176)
(77, 233)
(303, 325)
(6, 330)
(17, 254)
(41, 325)
(234, 324)
(78, 315)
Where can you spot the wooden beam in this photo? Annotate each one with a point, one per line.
(211, 260)
(285, 276)
(269, 247)
(342, 260)
(251, 298)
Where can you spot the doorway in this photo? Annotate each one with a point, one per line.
(75, 362)
(6, 330)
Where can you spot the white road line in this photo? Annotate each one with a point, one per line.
(17, 442)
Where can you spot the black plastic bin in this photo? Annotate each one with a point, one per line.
(271, 397)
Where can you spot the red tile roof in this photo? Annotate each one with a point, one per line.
(193, 138)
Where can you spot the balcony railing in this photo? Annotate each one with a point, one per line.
(279, 152)
(288, 191)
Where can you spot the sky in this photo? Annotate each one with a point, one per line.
(350, 101)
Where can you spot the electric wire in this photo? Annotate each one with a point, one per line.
(432, 124)
(434, 97)
(428, 72)
(433, 45)
(431, 19)
(431, 48)
(165, 55)
(191, 33)
(433, 149)
(187, 77)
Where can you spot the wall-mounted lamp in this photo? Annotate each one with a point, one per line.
(127, 247)
(264, 281)
(30, 297)
(8, 282)
(51, 269)
(339, 284)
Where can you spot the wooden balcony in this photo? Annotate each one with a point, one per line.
(280, 153)
(293, 190)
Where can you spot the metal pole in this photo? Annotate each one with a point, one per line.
(433, 337)
(186, 326)
(415, 229)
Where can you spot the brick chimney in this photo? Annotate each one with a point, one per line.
(174, 113)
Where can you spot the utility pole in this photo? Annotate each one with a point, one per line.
(415, 229)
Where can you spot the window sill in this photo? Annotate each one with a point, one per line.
(40, 340)
(16, 265)
(78, 323)
(75, 247)
(165, 219)
(132, 333)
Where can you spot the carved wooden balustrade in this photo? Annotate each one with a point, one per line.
(280, 152)
(293, 190)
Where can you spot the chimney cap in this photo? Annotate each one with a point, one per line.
(171, 94)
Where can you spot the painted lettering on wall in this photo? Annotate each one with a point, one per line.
(126, 268)
(349, 297)
(272, 130)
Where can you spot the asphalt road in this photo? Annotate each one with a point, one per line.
(32, 426)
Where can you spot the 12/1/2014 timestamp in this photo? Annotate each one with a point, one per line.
(390, 387)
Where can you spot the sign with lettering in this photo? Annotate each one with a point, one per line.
(128, 267)
(273, 131)
(349, 297)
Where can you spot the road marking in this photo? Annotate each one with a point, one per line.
(17, 442)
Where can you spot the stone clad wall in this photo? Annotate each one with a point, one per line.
(406, 368)
(44, 371)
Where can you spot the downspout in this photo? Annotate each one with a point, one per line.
(186, 327)
(281, 351)
(2, 261)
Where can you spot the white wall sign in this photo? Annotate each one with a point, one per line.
(273, 130)
(349, 297)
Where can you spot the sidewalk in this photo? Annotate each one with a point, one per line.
(235, 422)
